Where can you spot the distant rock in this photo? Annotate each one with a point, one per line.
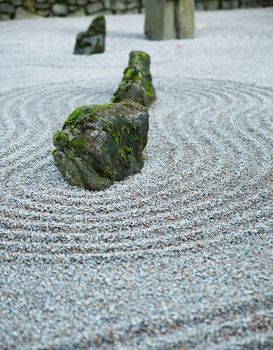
(60, 9)
(21, 13)
(136, 84)
(93, 40)
(101, 144)
(94, 8)
(6, 8)
(78, 13)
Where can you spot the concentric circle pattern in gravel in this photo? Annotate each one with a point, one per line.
(179, 256)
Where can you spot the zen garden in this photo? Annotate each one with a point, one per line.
(136, 174)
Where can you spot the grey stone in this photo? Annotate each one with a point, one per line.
(93, 40)
(199, 6)
(211, 5)
(169, 19)
(229, 4)
(73, 7)
(118, 5)
(79, 13)
(159, 20)
(43, 6)
(82, 2)
(132, 6)
(107, 4)
(6, 8)
(185, 19)
(44, 13)
(252, 3)
(136, 84)
(60, 9)
(101, 144)
(93, 8)
(17, 2)
(21, 13)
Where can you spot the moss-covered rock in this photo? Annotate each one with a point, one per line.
(101, 144)
(136, 84)
(93, 40)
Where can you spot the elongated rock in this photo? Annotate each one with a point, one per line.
(101, 144)
(93, 40)
(169, 19)
(136, 84)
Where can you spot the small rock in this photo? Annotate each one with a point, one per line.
(230, 4)
(101, 144)
(93, 8)
(137, 83)
(78, 13)
(93, 40)
(60, 9)
(118, 5)
(6, 8)
(21, 13)
(42, 6)
(17, 2)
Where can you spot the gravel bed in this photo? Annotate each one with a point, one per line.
(179, 256)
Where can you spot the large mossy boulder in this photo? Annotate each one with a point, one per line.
(136, 84)
(101, 144)
(93, 40)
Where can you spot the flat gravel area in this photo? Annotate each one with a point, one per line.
(179, 256)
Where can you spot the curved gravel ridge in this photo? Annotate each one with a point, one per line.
(219, 143)
(176, 257)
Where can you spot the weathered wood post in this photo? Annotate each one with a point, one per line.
(169, 19)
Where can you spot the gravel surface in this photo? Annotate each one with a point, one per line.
(177, 257)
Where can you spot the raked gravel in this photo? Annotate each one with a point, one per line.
(177, 257)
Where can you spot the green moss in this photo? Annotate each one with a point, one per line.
(131, 74)
(115, 98)
(53, 151)
(74, 116)
(78, 143)
(149, 90)
(103, 148)
(61, 136)
(142, 55)
(135, 138)
(100, 109)
(128, 150)
(136, 83)
(125, 152)
(116, 137)
(140, 58)
(60, 139)
(122, 154)
(100, 18)
(98, 26)
(112, 130)
(90, 114)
